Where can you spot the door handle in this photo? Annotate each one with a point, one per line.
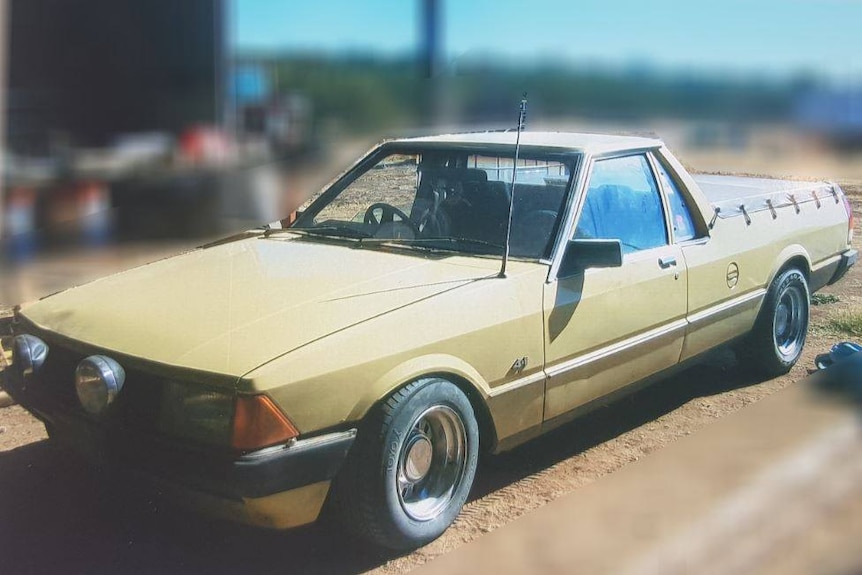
(667, 262)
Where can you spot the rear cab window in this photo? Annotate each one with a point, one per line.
(540, 192)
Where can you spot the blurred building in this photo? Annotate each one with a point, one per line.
(116, 118)
(82, 71)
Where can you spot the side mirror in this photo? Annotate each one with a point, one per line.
(584, 254)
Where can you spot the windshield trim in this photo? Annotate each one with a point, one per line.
(402, 245)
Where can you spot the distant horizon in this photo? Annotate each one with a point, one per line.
(777, 39)
(630, 68)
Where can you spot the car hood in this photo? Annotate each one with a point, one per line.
(230, 308)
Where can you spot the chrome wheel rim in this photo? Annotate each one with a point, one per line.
(788, 324)
(431, 463)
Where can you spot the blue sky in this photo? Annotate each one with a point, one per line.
(774, 37)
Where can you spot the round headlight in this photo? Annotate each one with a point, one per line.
(29, 353)
(98, 380)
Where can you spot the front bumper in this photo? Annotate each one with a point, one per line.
(848, 260)
(258, 474)
(279, 487)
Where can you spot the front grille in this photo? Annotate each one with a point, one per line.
(136, 406)
(56, 380)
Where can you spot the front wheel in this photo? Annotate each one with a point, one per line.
(412, 466)
(776, 342)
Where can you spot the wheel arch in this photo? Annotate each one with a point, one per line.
(793, 256)
(450, 368)
(487, 429)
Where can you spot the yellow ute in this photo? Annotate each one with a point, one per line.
(369, 351)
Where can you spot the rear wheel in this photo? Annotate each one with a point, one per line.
(776, 342)
(412, 466)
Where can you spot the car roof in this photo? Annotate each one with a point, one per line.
(569, 141)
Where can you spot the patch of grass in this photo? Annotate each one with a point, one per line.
(848, 322)
(824, 299)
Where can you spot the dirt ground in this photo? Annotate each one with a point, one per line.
(58, 513)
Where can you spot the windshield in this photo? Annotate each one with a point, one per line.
(446, 200)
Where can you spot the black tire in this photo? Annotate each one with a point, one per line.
(423, 437)
(776, 342)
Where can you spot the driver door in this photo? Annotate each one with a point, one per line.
(607, 328)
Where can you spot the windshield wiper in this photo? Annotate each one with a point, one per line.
(344, 232)
(426, 241)
(324, 231)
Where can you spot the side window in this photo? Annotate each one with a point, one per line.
(623, 202)
(683, 226)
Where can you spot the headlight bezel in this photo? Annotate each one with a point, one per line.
(98, 381)
(29, 354)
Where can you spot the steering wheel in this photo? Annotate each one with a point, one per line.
(383, 213)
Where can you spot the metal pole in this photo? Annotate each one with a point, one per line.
(430, 37)
(431, 62)
(4, 90)
(221, 11)
(226, 84)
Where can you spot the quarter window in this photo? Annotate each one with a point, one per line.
(683, 226)
(623, 202)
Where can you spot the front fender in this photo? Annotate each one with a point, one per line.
(417, 368)
(473, 334)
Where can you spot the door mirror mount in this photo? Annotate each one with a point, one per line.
(582, 254)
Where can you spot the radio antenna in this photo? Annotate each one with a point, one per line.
(522, 116)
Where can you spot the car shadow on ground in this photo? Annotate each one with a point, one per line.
(60, 515)
(718, 373)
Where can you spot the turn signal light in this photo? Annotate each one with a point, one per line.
(258, 423)
(850, 223)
